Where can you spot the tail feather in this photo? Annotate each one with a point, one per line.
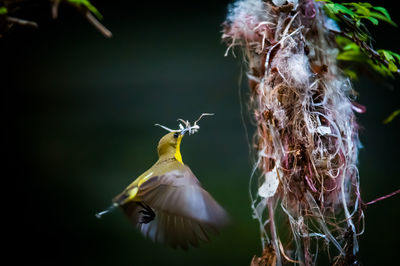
(112, 207)
(175, 231)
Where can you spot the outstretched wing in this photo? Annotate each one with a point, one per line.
(179, 193)
(172, 230)
(185, 213)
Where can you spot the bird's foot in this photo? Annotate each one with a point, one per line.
(147, 212)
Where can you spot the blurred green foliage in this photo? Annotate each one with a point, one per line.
(353, 36)
(3, 10)
(357, 12)
(391, 116)
(86, 4)
(350, 51)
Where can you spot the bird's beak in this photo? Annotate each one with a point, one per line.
(183, 132)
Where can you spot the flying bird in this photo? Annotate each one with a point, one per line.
(167, 202)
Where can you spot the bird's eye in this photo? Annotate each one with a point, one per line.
(176, 135)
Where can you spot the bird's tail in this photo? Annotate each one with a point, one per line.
(112, 207)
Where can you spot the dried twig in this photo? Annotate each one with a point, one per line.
(100, 27)
(84, 9)
(22, 22)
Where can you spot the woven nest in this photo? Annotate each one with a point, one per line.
(306, 140)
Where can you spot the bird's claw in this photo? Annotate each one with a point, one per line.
(148, 214)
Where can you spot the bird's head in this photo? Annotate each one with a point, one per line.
(170, 143)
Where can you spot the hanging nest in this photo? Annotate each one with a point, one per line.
(306, 140)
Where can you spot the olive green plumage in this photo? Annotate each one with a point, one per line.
(167, 203)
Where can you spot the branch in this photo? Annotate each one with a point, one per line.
(84, 7)
(21, 22)
(368, 50)
(100, 27)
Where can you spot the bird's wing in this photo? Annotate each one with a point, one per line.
(175, 231)
(179, 193)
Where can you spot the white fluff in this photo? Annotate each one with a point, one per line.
(282, 2)
(324, 130)
(298, 68)
(270, 185)
(294, 2)
(278, 2)
(242, 9)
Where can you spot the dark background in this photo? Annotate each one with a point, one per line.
(78, 115)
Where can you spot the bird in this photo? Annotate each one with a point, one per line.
(167, 203)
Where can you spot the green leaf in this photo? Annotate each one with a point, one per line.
(356, 56)
(391, 116)
(338, 8)
(350, 73)
(393, 67)
(373, 20)
(351, 46)
(343, 41)
(3, 10)
(397, 56)
(352, 16)
(383, 11)
(381, 69)
(387, 54)
(392, 58)
(357, 12)
(383, 18)
(88, 5)
(362, 10)
(350, 51)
